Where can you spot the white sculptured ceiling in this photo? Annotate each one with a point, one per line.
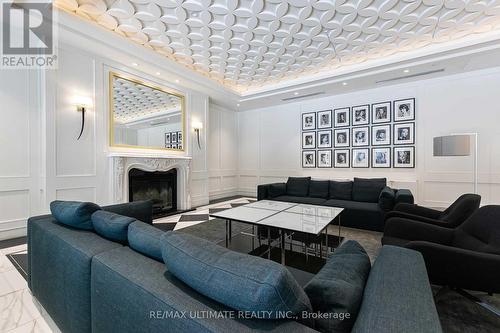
(133, 101)
(248, 44)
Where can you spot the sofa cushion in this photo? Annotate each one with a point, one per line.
(298, 186)
(139, 210)
(74, 213)
(145, 239)
(276, 189)
(356, 205)
(341, 190)
(111, 226)
(367, 190)
(239, 281)
(338, 287)
(302, 200)
(386, 199)
(319, 188)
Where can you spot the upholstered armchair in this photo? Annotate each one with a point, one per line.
(465, 257)
(452, 217)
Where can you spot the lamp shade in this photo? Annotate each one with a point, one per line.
(452, 145)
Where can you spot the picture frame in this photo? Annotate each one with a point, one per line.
(342, 158)
(167, 138)
(324, 139)
(309, 121)
(381, 112)
(168, 146)
(404, 157)
(342, 117)
(324, 119)
(179, 145)
(308, 159)
(179, 136)
(381, 135)
(173, 137)
(324, 158)
(404, 133)
(342, 137)
(381, 157)
(361, 157)
(174, 146)
(404, 110)
(309, 140)
(360, 115)
(360, 136)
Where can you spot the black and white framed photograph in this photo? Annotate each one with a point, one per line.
(325, 119)
(404, 109)
(381, 113)
(308, 158)
(381, 135)
(174, 146)
(342, 117)
(341, 137)
(360, 115)
(341, 158)
(308, 121)
(381, 157)
(404, 157)
(325, 139)
(167, 139)
(173, 137)
(168, 145)
(179, 136)
(325, 158)
(361, 158)
(404, 133)
(360, 136)
(308, 140)
(179, 145)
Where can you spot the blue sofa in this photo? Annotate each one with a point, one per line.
(365, 201)
(91, 284)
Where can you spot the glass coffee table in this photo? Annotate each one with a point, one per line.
(286, 217)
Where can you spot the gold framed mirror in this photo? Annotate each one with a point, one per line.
(143, 115)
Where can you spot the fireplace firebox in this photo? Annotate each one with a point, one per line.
(158, 186)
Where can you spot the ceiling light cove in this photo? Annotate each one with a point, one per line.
(250, 46)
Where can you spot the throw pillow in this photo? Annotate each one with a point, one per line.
(338, 287)
(298, 186)
(240, 281)
(145, 239)
(319, 188)
(275, 190)
(74, 213)
(111, 226)
(341, 190)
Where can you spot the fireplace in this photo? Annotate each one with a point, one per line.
(158, 186)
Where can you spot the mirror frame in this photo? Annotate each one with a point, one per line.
(112, 143)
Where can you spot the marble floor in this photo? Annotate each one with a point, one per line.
(20, 312)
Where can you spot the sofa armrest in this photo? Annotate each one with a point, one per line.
(414, 230)
(460, 267)
(387, 198)
(140, 210)
(419, 218)
(417, 210)
(404, 195)
(267, 191)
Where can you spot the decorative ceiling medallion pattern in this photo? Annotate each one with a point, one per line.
(247, 44)
(135, 101)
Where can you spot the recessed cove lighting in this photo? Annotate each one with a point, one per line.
(135, 64)
(344, 83)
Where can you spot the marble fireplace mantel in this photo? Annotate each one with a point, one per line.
(123, 162)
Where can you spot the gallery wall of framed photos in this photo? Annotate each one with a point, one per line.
(173, 140)
(378, 135)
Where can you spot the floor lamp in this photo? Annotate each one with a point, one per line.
(457, 145)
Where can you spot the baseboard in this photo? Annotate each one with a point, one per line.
(13, 233)
(222, 194)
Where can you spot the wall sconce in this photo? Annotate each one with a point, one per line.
(198, 126)
(82, 104)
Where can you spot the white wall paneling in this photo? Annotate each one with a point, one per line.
(222, 152)
(269, 143)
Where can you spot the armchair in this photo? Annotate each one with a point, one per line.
(467, 256)
(452, 217)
